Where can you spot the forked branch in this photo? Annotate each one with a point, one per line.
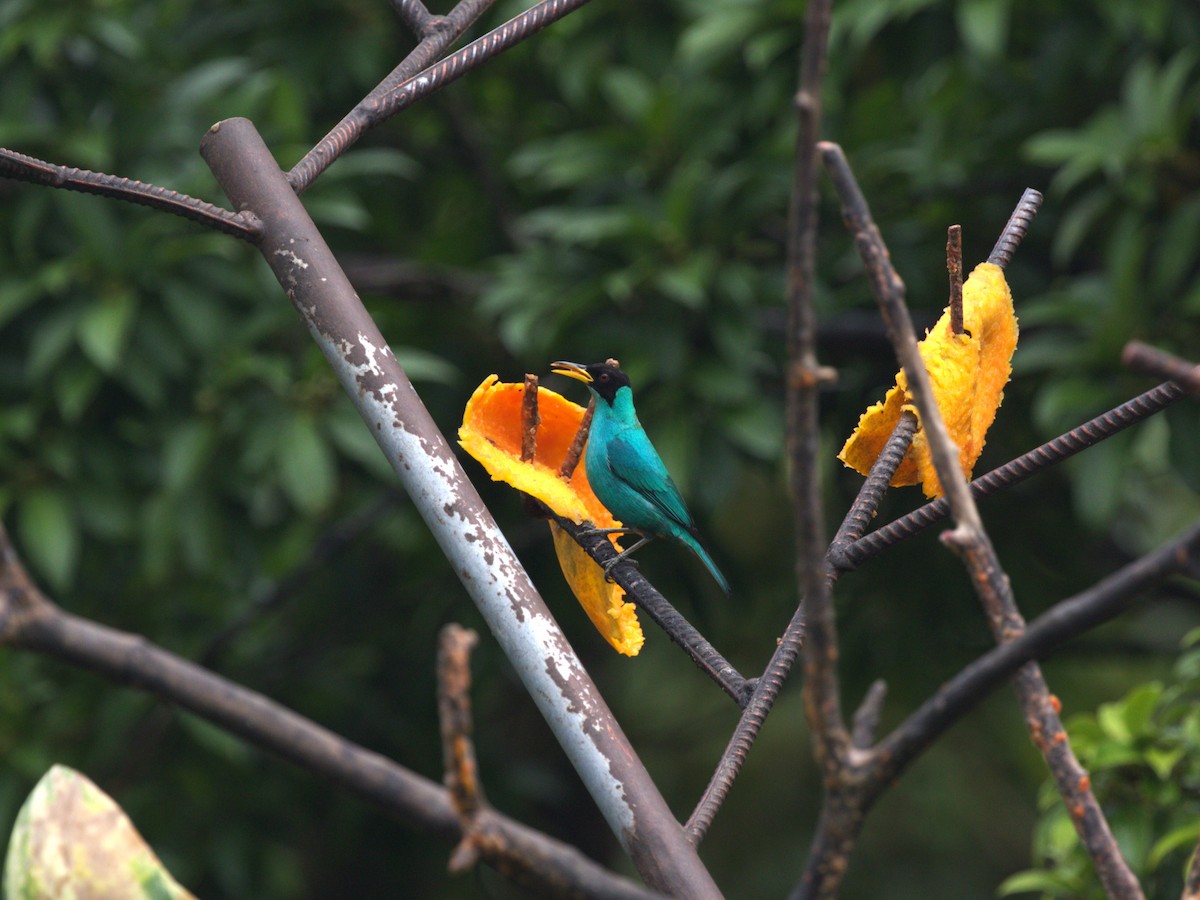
(971, 542)
(30, 621)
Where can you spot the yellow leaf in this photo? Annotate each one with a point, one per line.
(968, 372)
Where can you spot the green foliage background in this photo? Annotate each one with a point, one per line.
(173, 447)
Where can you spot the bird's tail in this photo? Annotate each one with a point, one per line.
(698, 548)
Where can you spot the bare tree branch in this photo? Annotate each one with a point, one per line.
(1065, 620)
(970, 540)
(30, 621)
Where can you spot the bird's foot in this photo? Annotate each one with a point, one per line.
(608, 566)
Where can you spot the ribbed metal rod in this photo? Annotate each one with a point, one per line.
(1053, 451)
(1018, 225)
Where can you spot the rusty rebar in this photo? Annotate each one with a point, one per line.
(869, 496)
(648, 599)
(21, 167)
(404, 88)
(1018, 225)
(1131, 412)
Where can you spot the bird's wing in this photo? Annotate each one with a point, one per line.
(633, 460)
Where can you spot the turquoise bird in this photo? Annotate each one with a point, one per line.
(625, 471)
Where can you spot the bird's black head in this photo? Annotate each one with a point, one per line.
(603, 378)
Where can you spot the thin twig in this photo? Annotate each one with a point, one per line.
(458, 750)
(1152, 361)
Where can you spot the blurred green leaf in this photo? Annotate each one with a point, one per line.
(723, 31)
(104, 328)
(307, 468)
(1185, 836)
(422, 365)
(49, 534)
(984, 26)
(188, 448)
(1036, 880)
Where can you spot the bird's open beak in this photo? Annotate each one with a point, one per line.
(571, 370)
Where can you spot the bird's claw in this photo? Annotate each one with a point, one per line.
(612, 563)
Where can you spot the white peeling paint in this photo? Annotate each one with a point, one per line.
(532, 640)
(291, 257)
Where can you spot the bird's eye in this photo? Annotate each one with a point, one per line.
(604, 377)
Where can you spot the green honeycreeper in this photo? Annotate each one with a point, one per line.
(625, 471)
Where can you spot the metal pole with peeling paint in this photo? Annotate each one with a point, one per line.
(454, 512)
